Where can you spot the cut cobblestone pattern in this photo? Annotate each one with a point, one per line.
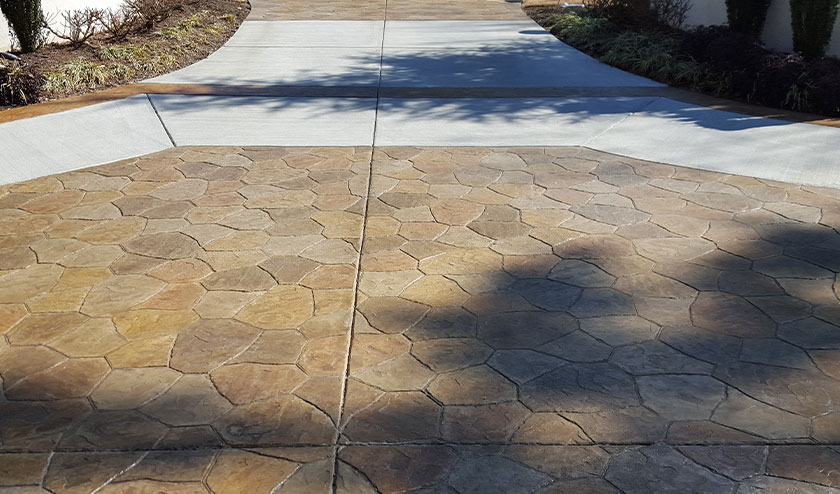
(222, 320)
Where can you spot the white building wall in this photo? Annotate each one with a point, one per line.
(778, 34)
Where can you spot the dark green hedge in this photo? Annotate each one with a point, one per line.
(747, 16)
(26, 20)
(813, 23)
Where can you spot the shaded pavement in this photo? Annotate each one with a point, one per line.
(416, 319)
(523, 320)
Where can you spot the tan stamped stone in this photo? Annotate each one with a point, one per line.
(192, 400)
(267, 422)
(330, 277)
(145, 323)
(435, 291)
(147, 352)
(244, 279)
(113, 231)
(163, 245)
(74, 378)
(245, 383)
(124, 389)
(385, 261)
(462, 261)
(92, 338)
(403, 373)
(456, 211)
(248, 472)
(18, 362)
(181, 296)
(42, 328)
(387, 284)
(60, 300)
(11, 314)
(120, 293)
(82, 277)
(282, 307)
(95, 256)
(182, 190)
(181, 271)
(19, 286)
(210, 342)
(473, 386)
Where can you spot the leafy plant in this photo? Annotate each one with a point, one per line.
(652, 55)
(813, 23)
(25, 20)
(799, 94)
(583, 31)
(748, 16)
(670, 12)
(17, 86)
(627, 10)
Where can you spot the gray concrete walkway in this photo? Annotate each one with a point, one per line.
(479, 312)
(386, 78)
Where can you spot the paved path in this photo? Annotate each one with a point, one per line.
(430, 73)
(490, 314)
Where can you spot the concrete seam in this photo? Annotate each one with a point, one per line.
(346, 377)
(160, 119)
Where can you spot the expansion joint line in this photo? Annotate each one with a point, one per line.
(353, 316)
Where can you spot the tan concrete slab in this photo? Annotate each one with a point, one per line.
(541, 319)
(197, 297)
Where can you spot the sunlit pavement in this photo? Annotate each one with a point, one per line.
(450, 318)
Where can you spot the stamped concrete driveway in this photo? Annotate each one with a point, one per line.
(394, 314)
(519, 320)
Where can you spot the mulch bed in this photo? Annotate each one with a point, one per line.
(53, 56)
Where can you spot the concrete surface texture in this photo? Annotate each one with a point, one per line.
(351, 293)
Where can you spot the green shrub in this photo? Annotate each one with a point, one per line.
(653, 55)
(670, 12)
(813, 23)
(621, 10)
(26, 20)
(17, 86)
(748, 16)
(581, 31)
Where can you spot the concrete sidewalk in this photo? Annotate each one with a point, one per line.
(496, 53)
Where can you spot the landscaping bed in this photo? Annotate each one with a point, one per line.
(190, 32)
(712, 60)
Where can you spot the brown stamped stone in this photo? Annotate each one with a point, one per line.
(282, 307)
(208, 343)
(244, 383)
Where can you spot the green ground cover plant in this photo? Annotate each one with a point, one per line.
(714, 60)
